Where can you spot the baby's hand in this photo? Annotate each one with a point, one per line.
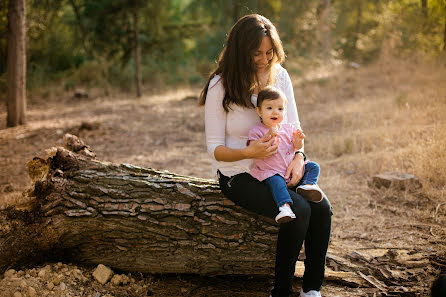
(298, 137)
(273, 131)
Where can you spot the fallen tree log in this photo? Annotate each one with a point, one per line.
(132, 219)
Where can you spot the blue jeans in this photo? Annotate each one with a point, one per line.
(311, 174)
(278, 187)
(279, 190)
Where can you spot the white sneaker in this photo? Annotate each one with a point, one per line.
(285, 214)
(311, 293)
(311, 192)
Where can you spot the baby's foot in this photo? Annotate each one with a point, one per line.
(285, 214)
(311, 192)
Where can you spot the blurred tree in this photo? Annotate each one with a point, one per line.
(324, 28)
(358, 34)
(16, 64)
(3, 34)
(138, 79)
(424, 7)
(444, 31)
(81, 26)
(298, 24)
(95, 42)
(418, 33)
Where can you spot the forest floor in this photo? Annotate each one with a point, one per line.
(358, 122)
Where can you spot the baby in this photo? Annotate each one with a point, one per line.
(271, 104)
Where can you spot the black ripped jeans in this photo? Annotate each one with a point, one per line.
(312, 224)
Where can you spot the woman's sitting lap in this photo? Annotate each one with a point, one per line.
(247, 192)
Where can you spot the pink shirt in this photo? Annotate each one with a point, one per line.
(277, 163)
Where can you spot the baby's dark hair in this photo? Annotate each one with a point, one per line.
(269, 93)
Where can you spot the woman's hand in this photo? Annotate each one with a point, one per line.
(262, 148)
(295, 170)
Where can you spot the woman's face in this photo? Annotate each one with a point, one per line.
(263, 55)
(271, 112)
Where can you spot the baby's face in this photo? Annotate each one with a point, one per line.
(271, 112)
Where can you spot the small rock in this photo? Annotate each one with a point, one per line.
(354, 65)
(80, 93)
(396, 180)
(14, 279)
(33, 272)
(116, 280)
(17, 294)
(8, 189)
(57, 279)
(79, 275)
(89, 126)
(50, 286)
(63, 286)
(42, 273)
(10, 273)
(23, 284)
(32, 292)
(125, 279)
(102, 274)
(20, 273)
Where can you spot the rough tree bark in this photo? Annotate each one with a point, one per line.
(16, 63)
(132, 219)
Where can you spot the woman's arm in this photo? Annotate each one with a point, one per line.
(257, 149)
(295, 169)
(287, 89)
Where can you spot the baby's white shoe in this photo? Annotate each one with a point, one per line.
(311, 293)
(285, 214)
(311, 192)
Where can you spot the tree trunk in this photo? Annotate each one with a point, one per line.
(358, 28)
(138, 79)
(444, 32)
(235, 10)
(133, 219)
(16, 64)
(82, 29)
(424, 8)
(324, 28)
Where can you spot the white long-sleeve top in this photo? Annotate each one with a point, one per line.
(231, 128)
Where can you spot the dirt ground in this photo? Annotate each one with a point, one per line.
(398, 237)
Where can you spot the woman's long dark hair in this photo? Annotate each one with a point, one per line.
(236, 63)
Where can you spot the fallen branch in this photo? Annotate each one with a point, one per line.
(373, 281)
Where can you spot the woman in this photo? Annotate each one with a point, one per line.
(250, 61)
